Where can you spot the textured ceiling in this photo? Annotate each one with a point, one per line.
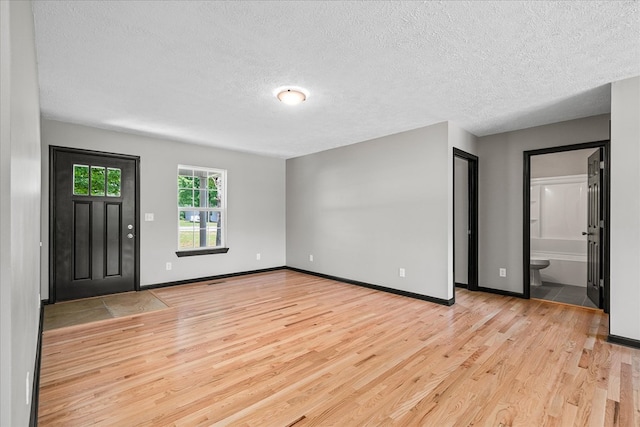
(204, 72)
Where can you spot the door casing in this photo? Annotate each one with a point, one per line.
(52, 201)
(606, 185)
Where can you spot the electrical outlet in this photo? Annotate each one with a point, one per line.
(148, 216)
(503, 272)
(258, 256)
(401, 272)
(310, 258)
(169, 266)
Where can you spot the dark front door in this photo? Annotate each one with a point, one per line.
(594, 229)
(94, 224)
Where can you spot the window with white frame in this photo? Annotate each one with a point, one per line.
(201, 208)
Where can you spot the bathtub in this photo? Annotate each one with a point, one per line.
(568, 260)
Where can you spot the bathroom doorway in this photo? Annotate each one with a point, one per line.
(565, 233)
(465, 220)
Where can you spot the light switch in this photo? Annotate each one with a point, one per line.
(148, 216)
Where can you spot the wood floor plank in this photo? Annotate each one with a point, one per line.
(288, 349)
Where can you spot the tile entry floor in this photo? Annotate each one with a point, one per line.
(69, 313)
(576, 295)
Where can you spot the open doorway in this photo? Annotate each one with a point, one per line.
(465, 219)
(566, 211)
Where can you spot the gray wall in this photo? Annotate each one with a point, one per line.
(366, 210)
(255, 198)
(625, 208)
(19, 211)
(463, 140)
(500, 188)
(560, 164)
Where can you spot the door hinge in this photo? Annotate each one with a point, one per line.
(602, 165)
(602, 283)
(601, 223)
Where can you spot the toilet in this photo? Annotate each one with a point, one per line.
(537, 264)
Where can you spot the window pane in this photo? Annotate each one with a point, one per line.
(191, 216)
(196, 197)
(213, 191)
(214, 235)
(188, 235)
(113, 182)
(97, 180)
(185, 181)
(185, 198)
(81, 180)
(213, 201)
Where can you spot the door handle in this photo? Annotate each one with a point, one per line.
(130, 235)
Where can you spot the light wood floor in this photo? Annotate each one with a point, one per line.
(288, 349)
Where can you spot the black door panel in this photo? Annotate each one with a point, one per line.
(594, 229)
(94, 223)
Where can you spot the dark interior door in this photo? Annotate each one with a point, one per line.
(594, 231)
(465, 219)
(461, 222)
(94, 224)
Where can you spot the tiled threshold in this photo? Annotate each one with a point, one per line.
(70, 313)
(567, 294)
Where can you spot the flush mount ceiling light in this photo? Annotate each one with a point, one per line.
(291, 95)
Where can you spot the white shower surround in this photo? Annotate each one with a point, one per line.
(558, 218)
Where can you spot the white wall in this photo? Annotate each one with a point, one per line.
(625, 208)
(255, 198)
(19, 212)
(500, 187)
